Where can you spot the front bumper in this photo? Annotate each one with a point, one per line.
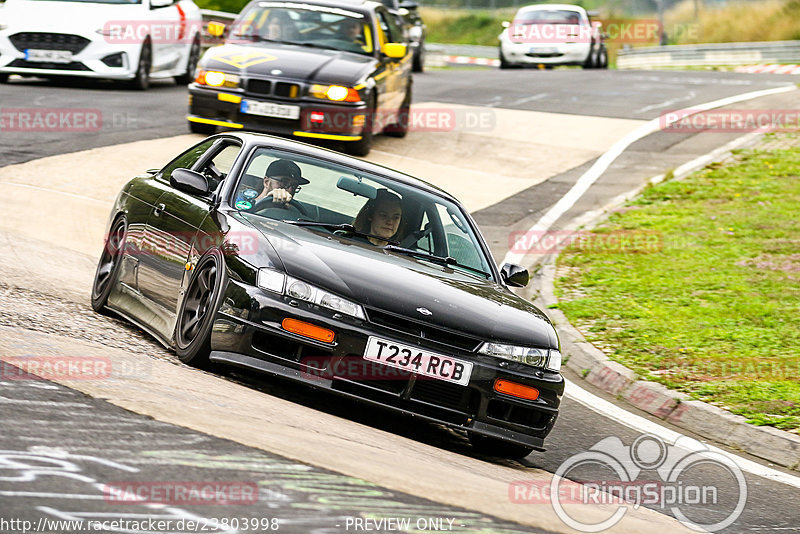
(247, 332)
(546, 54)
(95, 58)
(341, 122)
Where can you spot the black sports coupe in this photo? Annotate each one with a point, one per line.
(335, 70)
(293, 260)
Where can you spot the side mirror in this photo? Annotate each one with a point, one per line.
(395, 50)
(514, 275)
(155, 4)
(190, 182)
(506, 24)
(215, 29)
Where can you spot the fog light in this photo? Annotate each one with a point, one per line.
(516, 390)
(113, 60)
(309, 330)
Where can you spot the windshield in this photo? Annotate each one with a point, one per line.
(304, 24)
(546, 16)
(366, 208)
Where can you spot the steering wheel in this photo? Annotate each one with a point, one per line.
(268, 203)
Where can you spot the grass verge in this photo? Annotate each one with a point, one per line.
(714, 310)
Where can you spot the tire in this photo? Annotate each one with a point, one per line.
(4, 78)
(198, 308)
(194, 55)
(591, 59)
(503, 63)
(200, 128)
(362, 147)
(498, 448)
(108, 266)
(141, 81)
(400, 128)
(418, 62)
(602, 61)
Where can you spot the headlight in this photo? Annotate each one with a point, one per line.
(535, 357)
(278, 282)
(215, 78)
(337, 93)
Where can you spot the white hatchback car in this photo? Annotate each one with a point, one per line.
(132, 40)
(552, 34)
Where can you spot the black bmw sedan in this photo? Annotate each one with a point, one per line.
(292, 260)
(335, 70)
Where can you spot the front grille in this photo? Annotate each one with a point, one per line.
(416, 329)
(287, 90)
(48, 41)
(259, 87)
(443, 394)
(25, 64)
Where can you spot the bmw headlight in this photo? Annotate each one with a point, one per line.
(215, 78)
(278, 282)
(337, 93)
(535, 357)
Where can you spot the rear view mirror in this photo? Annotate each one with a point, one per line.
(190, 182)
(514, 275)
(357, 188)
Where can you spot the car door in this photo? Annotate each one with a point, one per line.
(168, 28)
(173, 228)
(397, 71)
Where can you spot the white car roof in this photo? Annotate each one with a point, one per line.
(553, 7)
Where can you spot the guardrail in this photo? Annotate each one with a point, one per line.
(709, 55)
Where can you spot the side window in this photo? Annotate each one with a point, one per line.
(387, 28)
(187, 159)
(217, 168)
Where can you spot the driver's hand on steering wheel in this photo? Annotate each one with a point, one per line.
(281, 196)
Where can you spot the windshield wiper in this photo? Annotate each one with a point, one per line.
(346, 227)
(448, 260)
(312, 44)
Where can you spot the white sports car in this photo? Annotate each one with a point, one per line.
(131, 40)
(552, 34)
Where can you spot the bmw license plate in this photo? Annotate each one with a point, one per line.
(417, 361)
(269, 109)
(48, 56)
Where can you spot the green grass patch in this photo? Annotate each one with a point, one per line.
(714, 308)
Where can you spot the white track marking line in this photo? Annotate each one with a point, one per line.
(640, 424)
(604, 162)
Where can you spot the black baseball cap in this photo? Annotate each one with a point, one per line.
(281, 168)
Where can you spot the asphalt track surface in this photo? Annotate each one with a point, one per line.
(38, 413)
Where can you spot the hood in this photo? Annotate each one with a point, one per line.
(67, 17)
(400, 284)
(294, 62)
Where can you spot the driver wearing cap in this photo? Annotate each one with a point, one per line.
(282, 180)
